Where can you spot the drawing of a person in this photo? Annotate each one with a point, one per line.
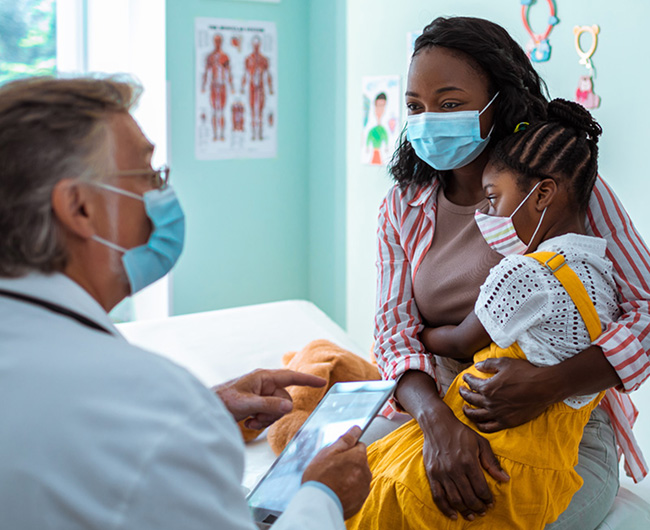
(256, 67)
(217, 65)
(378, 136)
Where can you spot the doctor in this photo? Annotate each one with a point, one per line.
(97, 433)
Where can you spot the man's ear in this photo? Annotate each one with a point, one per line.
(72, 206)
(545, 194)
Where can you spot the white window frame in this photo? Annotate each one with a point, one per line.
(71, 36)
(124, 36)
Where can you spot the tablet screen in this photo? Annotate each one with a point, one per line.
(345, 405)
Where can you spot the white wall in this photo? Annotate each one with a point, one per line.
(376, 36)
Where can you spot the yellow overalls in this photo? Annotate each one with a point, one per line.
(539, 456)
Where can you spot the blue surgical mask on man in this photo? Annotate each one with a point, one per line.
(448, 140)
(149, 262)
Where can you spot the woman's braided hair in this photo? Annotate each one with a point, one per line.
(564, 148)
(493, 52)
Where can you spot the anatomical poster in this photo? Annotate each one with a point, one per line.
(382, 102)
(236, 89)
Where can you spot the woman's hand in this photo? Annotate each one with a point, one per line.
(454, 455)
(519, 391)
(454, 459)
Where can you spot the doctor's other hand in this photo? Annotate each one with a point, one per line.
(343, 467)
(261, 395)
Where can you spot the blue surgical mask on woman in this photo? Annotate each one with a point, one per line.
(149, 262)
(448, 140)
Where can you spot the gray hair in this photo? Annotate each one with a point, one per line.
(50, 129)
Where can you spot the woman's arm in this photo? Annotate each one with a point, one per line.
(626, 342)
(454, 455)
(397, 319)
(518, 391)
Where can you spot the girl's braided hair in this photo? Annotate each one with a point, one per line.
(564, 148)
(493, 52)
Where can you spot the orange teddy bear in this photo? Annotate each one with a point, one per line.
(324, 359)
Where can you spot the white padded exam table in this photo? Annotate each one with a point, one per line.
(220, 345)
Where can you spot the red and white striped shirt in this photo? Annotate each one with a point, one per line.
(407, 220)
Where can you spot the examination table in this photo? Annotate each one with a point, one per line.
(220, 345)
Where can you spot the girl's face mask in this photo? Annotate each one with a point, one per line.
(500, 232)
(448, 140)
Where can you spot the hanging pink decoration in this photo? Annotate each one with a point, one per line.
(539, 48)
(585, 94)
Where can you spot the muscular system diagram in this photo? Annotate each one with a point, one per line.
(256, 71)
(217, 66)
(236, 96)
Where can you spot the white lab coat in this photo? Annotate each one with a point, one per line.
(98, 434)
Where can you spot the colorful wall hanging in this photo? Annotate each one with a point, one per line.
(585, 92)
(539, 48)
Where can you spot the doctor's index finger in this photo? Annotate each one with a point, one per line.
(284, 378)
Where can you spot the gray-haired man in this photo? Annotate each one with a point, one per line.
(96, 433)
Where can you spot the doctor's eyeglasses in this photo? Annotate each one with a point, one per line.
(159, 178)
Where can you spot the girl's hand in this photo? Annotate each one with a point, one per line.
(454, 459)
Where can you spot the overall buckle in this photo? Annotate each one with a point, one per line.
(550, 267)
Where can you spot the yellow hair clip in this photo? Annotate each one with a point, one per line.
(521, 126)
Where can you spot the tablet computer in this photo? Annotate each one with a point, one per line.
(344, 406)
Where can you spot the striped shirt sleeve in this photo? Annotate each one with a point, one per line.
(397, 319)
(626, 342)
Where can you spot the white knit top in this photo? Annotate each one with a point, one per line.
(521, 301)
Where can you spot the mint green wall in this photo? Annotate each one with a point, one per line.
(270, 229)
(247, 220)
(327, 147)
(376, 34)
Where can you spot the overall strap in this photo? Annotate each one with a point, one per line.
(556, 263)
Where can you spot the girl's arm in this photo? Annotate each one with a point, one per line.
(458, 342)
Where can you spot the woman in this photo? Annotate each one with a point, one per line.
(538, 183)
(432, 260)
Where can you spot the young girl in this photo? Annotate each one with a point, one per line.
(543, 307)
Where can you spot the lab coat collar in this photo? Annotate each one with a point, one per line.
(61, 290)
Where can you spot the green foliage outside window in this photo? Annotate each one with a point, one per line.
(27, 38)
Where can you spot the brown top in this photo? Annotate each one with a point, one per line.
(447, 283)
